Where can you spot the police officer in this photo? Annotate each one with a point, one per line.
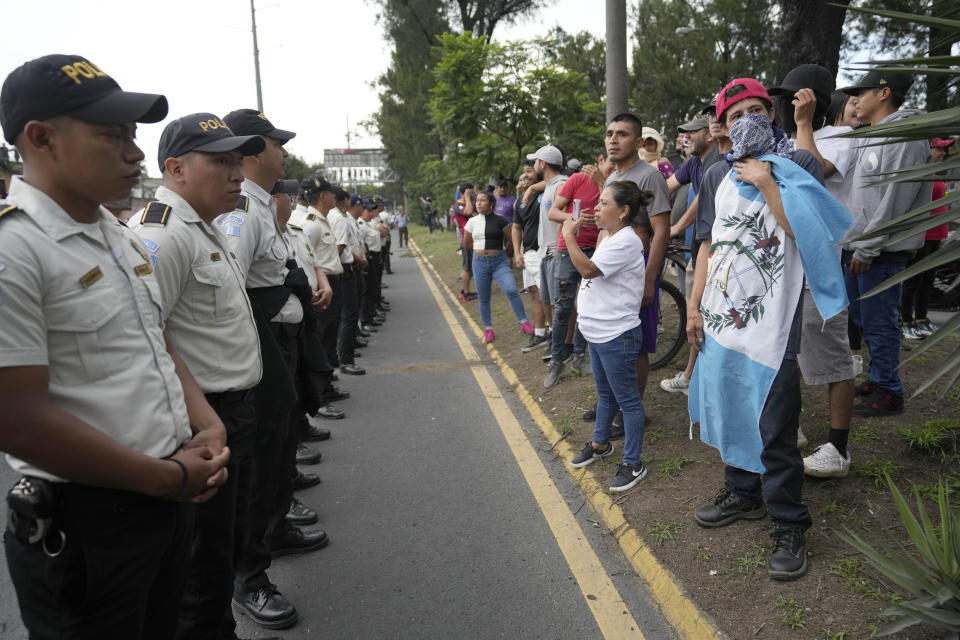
(342, 204)
(208, 319)
(102, 418)
(355, 219)
(262, 254)
(352, 257)
(373, 241)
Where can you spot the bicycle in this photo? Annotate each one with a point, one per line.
(672, 319)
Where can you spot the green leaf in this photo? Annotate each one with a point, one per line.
(907, 220)
(908, 17)
(949, 364)
(945, 330)
(943, 255)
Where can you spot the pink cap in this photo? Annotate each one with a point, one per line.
(751, 89)
(941, 143)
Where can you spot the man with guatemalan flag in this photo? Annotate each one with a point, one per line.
(764, 220)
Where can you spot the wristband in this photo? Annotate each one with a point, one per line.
(186, 476)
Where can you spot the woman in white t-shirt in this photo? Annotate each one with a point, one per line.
(486, 235)
(609, 318)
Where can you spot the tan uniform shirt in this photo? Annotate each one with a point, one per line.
(317, 228)
(303, 253)
(259, 246)
(340, 226)
(81, 300)
(205, 310)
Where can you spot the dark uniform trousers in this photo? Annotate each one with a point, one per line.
(386, 255)
(349, 315)
(782, 482)
(287, 336)
(120, 573)
(221, 522)
(330, 320)
(371, 296)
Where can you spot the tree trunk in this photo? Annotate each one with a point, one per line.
(812, 33)
(940, 43)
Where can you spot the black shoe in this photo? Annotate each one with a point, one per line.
(352, 369)
(295, 540)
(590, 415)
(589, 454)
(360, 343)
(788, 560)
(300, 513)
(865, 389)
(372, 322)
(382, 319)
(627, 476)
(534, 342)
(266, 607)
(729, 507)
(314, 434)
(333, 394)
(306, 455)
(368, 328)
(330, 412)
(305, 480)
(878, 404)
(363, 334)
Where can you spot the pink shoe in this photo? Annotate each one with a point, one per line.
(488, 336)
(526, 327)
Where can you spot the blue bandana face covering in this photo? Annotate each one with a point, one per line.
(753, 135)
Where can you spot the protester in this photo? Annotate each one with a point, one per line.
(486, 236)
(916, 291)
(402, 234)
(458, 213)
(756, 429)
(609, 317)
(653, 149)
(526, 256)
(505, 201)
(880, 96)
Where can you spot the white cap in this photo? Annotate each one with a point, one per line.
(549, 154)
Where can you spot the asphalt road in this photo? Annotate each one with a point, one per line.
(434, 531)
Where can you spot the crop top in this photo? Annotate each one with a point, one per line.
(487, 231)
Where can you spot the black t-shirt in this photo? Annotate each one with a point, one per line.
(487, 231)
(706, 207)
(528, 217)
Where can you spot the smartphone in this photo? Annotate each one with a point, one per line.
(576, 210)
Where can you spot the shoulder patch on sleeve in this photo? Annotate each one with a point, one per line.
(311, 216)
(243, 204)
(155, 213)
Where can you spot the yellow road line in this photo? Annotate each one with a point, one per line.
(679, 610)
(608, 608)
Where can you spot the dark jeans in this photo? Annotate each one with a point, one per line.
(879, 319)
(568, 281)
(916, 290)
(349, 315)
(121, 572)
(782, 483)
(220, 522)
(385, 256)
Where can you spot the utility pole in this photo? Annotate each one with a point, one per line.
(616, 57)
(348, 133)
(256, 56)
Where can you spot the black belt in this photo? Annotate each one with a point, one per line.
(333, 277)
(229, 396)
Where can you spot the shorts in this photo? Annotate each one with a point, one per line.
(548, 279)
(825, 356)
(531, 269)
(649, 318)
(466, 259)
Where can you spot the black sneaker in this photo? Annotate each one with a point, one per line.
(865, 389)
(627, 476)
(589, 455)
(880, 403)
(729, 507)
(788, 561)
(534, 342)
(590, 415)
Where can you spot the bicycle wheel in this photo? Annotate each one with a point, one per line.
(671, 327)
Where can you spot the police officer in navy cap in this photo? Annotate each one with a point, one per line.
(111, 435)
(208, 319)
(266, 258)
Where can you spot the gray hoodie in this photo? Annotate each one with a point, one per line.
(872, 206)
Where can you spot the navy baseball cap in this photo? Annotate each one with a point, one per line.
(355, 199)
(316, 184)
(369, 204)
(71, 85)
(250, 122)
(204, 132)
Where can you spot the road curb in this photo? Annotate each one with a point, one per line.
(669, 595)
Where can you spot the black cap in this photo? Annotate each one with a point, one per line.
(339, 194)
(316, 184)
(71, 85)
(290, 187)
(807, 76)
(203, 132)
(899, 81)
(250, 122)
(355, 199)
(710, 109)
(369, 204)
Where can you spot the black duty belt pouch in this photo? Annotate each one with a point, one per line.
(30, 509)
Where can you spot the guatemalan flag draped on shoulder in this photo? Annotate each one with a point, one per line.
(755, 278)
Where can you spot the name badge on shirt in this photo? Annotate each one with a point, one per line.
(143, 269)
(215, 257)
(90, 277)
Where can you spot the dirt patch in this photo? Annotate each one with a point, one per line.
(724, 570)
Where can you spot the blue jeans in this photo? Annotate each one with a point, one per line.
(486, 269)
(614, 366)
(568, 281)
(879, 320)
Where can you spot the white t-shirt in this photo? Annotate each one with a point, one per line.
(841, 153)
(609, 304)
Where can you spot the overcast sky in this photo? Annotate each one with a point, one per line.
(199, 53)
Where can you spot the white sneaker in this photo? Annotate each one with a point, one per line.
(826, 462)
(801, 439)
(676, 384)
